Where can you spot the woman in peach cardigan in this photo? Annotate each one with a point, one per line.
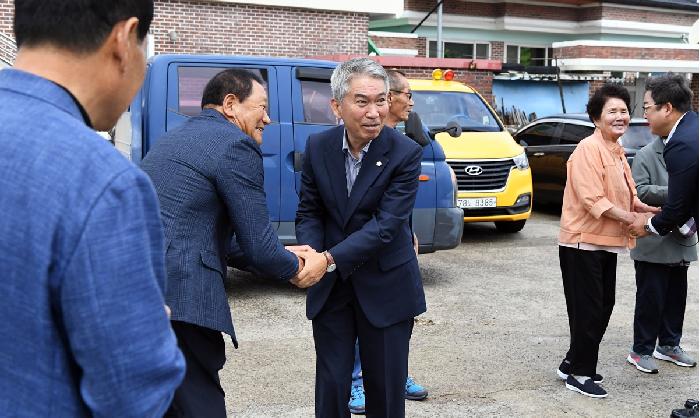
(600, 202)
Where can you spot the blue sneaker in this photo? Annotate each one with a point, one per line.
(414, 391)
(357, 400)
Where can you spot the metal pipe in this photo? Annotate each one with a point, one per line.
(440, 49)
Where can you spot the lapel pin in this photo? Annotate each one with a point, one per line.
(379, 163)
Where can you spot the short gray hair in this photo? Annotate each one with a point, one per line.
(345, 72)
(396, 78)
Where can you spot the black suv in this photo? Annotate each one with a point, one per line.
(550, 141)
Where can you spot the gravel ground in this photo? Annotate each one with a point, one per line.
(494, 333)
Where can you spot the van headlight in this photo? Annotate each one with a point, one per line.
(453, 176)
(521, 161)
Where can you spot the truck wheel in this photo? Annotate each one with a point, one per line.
(510, 227)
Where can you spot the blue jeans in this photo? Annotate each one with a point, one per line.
(357, 369)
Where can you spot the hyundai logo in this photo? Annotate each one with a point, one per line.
(473, 170)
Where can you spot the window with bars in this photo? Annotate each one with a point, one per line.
(473, 50)
(529, 56)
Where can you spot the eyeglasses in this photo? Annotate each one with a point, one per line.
(646, 107)
(407, 93)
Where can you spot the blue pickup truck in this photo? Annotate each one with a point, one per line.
(299, 105)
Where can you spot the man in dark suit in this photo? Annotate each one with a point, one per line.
(359, 185)
(208, 174)
(667, 108)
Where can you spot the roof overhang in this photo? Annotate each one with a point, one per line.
(617, 64)
(526, 24)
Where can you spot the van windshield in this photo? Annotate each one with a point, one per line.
(436, 108)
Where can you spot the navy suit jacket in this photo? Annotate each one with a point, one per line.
(367, 233)
(209, 178)
(681, 156)
(83, 330)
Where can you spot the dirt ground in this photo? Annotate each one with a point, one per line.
(494, 333)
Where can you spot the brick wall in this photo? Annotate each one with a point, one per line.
(7, 8)
(590, 13)
(482, 81)
(394, 42)
(585, 51)
(422, 46)
(7, 48)
(541, 12)
(456, 7)
(594, 85)
(497, 51)
(575, 14)
(648, 16)
(229, 28)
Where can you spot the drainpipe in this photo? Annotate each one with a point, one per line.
(440, 49)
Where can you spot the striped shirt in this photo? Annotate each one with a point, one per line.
(352, 164)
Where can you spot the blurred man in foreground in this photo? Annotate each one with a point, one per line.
(84, 328)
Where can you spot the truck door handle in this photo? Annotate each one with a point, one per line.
(298, 161)
(538, 154)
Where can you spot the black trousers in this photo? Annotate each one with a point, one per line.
(383, 353)
(660, 305)
(200, 394)
(589, 288)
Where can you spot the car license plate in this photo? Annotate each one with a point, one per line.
(480, 202)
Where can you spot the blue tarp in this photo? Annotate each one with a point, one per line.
(541, 97)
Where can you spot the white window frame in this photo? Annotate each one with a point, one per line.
(546, 48)
(473, 44)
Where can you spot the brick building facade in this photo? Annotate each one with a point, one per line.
(565, 11)
(219, 27)
(588, 40)
(215, 27)
(623, 52)
(232, 27)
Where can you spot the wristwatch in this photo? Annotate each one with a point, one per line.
(647, 228)
(331, 263)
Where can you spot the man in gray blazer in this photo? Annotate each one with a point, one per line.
(208, 174)
(661, 265)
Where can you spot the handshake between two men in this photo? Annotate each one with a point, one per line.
(312, 265)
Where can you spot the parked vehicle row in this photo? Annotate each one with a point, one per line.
(299, 96)
(494, 174)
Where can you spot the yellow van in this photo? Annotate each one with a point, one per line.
(493, 174)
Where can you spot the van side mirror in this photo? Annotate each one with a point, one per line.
(453, 129)
(414, 129)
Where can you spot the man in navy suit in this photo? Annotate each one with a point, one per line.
(208, 174)
(667, 104)
(667, 108)
(359, 185)
(84, 330)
